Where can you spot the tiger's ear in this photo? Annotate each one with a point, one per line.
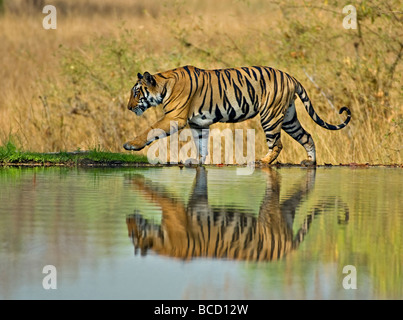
(150, 81)
(139, 76)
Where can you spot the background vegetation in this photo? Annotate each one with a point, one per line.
(67, 89)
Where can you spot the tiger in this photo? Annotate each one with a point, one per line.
(200, 98)
(200, 229)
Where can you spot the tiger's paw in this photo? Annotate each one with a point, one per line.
(272, 154)
(308, 163)
(129, 146)
(267, 160)
(191, 162)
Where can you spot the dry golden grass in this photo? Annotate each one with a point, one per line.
(67, 88)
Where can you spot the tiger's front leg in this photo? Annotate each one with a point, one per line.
(160, 129)
(274, 151)
(137, 143)
(201, 137)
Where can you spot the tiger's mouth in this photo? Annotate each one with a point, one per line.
(141, 107)
(139, 110)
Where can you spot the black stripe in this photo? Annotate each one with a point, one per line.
(279, 110)
(196, 81)
(274, 85)
(238, 93)
(272, 136)
(240, 77)
(268, 71)
(228, 74)
(259, 247)
(294, 119)
(218, 115)
(216, 244)
(298, 137)
(310, 109)
(226, 103)
(292, 130)
(170, 111)
(262, 81)
(264, 112)
(202, 86)
(281, 91)
(163, 92)
(246, 70)
(202, 105)
(273, 243)
(225, 83)
(245, 108)
(217, 73)
(191, 83)
(272, 127)
(254, 73)
(235, 234)
(251, 91)
(307, 138)
(281, 84)
(231, 114)
(211, 94)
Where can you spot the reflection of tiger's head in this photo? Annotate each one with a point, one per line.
(143, 234)
(146, 93)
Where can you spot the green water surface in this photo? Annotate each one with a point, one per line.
(171, 233)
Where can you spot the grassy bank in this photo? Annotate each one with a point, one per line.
(9, 155)
(67, 89)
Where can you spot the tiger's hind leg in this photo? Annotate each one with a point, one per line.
(272, 130)
(293, 127)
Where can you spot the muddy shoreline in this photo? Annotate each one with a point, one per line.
(87, 163)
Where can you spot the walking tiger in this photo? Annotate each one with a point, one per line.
(198, 97)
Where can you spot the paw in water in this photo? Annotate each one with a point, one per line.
(308, 163)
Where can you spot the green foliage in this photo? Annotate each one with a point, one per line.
(9, 154)
(101, 156)
(7, 150)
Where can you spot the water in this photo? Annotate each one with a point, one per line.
(170, 233)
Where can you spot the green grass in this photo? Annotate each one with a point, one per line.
(9, 154)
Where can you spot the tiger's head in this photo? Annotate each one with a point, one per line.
(145, 93)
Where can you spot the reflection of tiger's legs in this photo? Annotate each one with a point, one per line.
(272, 130)
(293, 127)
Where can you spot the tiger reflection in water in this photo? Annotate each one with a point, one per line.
(200, 230)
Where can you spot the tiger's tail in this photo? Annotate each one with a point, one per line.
(309, 108)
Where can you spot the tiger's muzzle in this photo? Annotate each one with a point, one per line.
(139, 110)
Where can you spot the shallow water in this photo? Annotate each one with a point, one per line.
(170, 233)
